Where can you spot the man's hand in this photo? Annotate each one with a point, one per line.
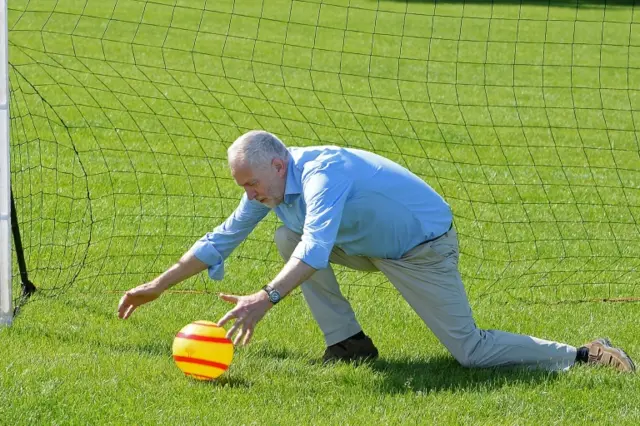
(248, 311)
(137, 296)
(187, 266)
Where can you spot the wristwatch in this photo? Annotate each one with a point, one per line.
(274, 295)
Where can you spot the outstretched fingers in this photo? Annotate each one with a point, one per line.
(244, 335)
(124, 306)
(229, 315)
(247, 312)
(242, 328)
(129, 311)
(226, 318)
(121, 308)
(247, 336)
(236, 325)
(228, 298)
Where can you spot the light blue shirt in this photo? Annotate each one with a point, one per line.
(359, 201)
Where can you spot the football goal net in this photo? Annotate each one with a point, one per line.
(523, 115)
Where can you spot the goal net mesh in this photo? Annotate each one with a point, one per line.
(525, 117)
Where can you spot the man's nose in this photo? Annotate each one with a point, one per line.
(251, 194)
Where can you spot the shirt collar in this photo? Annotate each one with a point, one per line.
(292, 187)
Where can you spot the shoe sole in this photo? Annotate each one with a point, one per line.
(607, 344)
(355, 360)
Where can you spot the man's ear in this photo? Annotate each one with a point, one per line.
(279, 165)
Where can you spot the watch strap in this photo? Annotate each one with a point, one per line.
(274, 295)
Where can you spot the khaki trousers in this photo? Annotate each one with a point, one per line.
(427, 276)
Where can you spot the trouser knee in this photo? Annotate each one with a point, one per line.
(468, 352)
(286, 241)
(467, 361)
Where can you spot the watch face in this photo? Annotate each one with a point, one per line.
(274, 296)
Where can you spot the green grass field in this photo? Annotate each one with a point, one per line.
(523, 115)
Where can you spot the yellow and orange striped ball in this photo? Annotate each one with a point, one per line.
(202, 351)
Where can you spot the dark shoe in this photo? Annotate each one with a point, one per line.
(351, 350)
(601, 352)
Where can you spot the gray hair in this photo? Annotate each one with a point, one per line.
(258, 148)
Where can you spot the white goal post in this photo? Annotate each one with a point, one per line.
(6, 309)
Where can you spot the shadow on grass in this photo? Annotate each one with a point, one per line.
(445, 374)
(227, 380)
(282, 354)
(436, 374)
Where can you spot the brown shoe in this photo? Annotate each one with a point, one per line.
(351, 350)
(602, 352)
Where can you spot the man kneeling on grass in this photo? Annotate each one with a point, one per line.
(363, 211)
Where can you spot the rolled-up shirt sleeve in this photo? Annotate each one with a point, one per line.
(325, 192)
(214, 247)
